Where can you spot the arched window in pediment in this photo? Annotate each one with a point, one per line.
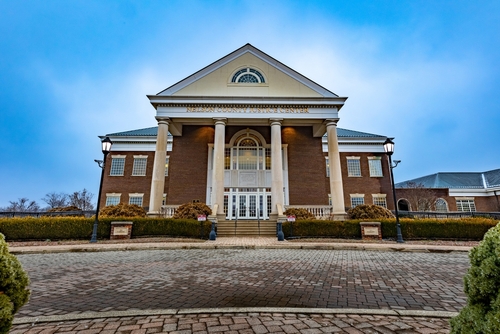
(248, 75)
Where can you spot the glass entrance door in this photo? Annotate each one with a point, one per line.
(247, 205)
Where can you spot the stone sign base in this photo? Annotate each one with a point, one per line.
(121, 230)
(371, 231)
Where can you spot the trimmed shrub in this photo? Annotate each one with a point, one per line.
(322, 228)
(64, 209)
(192, 210)
(13, 286)
(369, 211)
(122, 210)
(482, 286)
(299, 213)
(79, 228)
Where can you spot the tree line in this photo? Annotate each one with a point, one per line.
(79, 199)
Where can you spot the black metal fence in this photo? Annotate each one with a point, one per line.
(11, 214)
(447, 215)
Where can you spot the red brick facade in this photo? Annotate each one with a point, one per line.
(187, 174)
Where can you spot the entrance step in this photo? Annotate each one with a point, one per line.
(226, 228)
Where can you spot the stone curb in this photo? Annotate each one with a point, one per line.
(138, 313)
(124, 247)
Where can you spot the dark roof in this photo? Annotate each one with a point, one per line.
(457, 180)
(341, 133)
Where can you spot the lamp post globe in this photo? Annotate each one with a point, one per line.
(106, 148)
(389, 150)
(389, 147)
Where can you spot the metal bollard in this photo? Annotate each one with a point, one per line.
(213, 235)
(281, 235)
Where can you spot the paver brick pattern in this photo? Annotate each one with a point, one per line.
(242, 323)
(65, 283)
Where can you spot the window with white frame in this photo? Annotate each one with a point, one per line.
(466, 205)
(117, 165)
(167, 162)
(248, 75)
(353, 166)
(441, 205)
(140, 163)
(112, 199)
(164, 199)
(327, 160)
(135, 199)
(375, 166)
(357, 199)
(380, 200)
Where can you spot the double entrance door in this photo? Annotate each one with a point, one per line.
(247, 205)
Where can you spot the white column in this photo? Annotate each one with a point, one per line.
(158, 177)
(218, 166)
(276, 166)
(336, 188)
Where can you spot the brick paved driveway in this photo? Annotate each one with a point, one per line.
(159, 279)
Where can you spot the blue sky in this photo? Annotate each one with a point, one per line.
(424, 72)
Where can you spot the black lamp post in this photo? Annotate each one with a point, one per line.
(106, 148)
(389, 150)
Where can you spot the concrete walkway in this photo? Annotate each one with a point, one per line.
(240, 319)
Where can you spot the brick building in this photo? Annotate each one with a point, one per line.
(453, 191)
(250, 137)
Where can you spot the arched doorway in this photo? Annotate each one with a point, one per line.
(403, 205)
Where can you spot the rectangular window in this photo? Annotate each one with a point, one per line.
(167, 161)
(268, 159)
(353, 166)
(327, 166)
(357, 199)
(117, 165)
(375, 165)
(140, 163)
(135, 199)
(380, 200)
(164, 199)
(466, 205)
(112, 199)
(227, 158)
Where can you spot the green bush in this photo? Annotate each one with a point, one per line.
(79, 228)
(13, 286)
(323, 228)
(192, 210)
(122, 210)
(482, 286)
(369, 211)
(299, 213)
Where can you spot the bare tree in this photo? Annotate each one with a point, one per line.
(81, 199)
(56, 200)
(23, 205)
(420, 197)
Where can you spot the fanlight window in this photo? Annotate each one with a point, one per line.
(247, 154)
(248, 75)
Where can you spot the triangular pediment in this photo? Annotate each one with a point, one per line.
(274, 79)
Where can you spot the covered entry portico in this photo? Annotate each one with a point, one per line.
(247, 171)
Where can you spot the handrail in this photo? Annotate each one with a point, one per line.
(258, 220)
(236, 222)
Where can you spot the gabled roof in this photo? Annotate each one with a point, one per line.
(247, 48)
(151, 132)
(457, 180)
